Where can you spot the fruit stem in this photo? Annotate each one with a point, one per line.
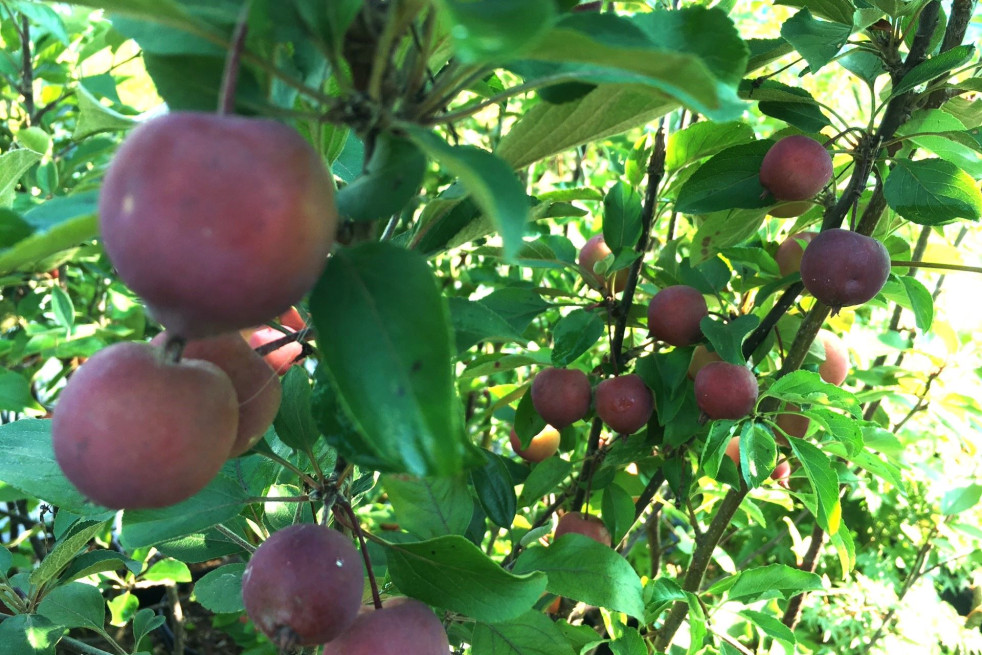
(230, 76)
(291, 467)
(655, 174)
(356, 528)
(174, 348)
(234, 538)
(286, 339)
(938, 265)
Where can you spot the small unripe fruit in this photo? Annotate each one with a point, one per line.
(781, 473)
(674, 314)
(219, 222)
(134, 430)
(543, 446)
(835, 368)
(788, 256)
(303, 586)
(796, 168)
(725, 390)
(403, 626)
(561, 396)
(584, 524)
(733, 450)
(281, 359)
(843, 268)
(291, 319)
(624, 403)
(259, 392)
(701, 356)
(596, 250)
(790, 209)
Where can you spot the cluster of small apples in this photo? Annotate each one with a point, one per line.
(839, 267)
(303, 587)
(219, 223)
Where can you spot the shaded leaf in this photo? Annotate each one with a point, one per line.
(452, 572)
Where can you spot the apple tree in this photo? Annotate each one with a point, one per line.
(489, 326)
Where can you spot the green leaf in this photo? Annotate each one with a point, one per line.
(932, 192)
(489, 30)
(491, 182)
(294, 422)
(392, 176)
(730, 179)
(824, 481)
(66, 549)
(495, 490)
(629, 642)
(144, 622)
(934, 67)
(64, 310)
(13, 165)
(806, 116)
(545, 476)
(727, 338)
(15, 394)
(516, 305)
(664, 373)
(622, 217)
(863, 64)
(219, 502)
(613, 42)
(94, 117)
(168, 570)
(818, 41)
(580, 568)
(840, 11)
(921, 302)
(220, 590)
(724, 229)
(97, 561)
(770, 626)
(453, 573)
(707, 33)
(34, 138)
(29, 634)
(58, 224)
(6, 561)
(958, 500)
(547, 129)
(28, 464)
(166, 11)
(326, 22)
(474, 322)
(617, 509)
(528, 423)
(758, 453)
(703, 139)
(575, 334)
(941, 133)
(802, 387)
(532, 633)
(75, 605)
(389, 345)
(767, 581)
(430, 507)
(714, 452)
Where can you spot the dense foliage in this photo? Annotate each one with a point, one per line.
(476, 147)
